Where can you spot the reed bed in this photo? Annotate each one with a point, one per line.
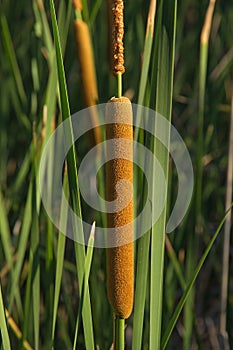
(177, 59)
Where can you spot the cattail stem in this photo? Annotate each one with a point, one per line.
(78, 8)
(119, 84)
(78, 14)
(120, 333)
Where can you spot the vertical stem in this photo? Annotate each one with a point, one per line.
(119, 84)
(120, 333)
(226, 242)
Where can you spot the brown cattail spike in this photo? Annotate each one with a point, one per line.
(120, 258)
(88, 77)
(86, 62)
(118, 34)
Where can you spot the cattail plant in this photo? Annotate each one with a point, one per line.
(87, 69)
(62, 307)
(120, 257)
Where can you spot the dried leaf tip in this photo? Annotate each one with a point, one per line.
(92, 234)
(118, 34)
(151, 18)
(207, 24)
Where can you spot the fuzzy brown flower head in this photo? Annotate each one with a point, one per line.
(118, 34)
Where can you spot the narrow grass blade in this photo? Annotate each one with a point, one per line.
(175, 263)
(146, 56)
(140, 291)
(23, 171)
(60, 260)
(49, 244)
(144, 242)
(84, 284)
(204, 45)
(12, 59)
(5, 236)
(45, 30)
(27, 299)
(142, 262)
(60, 68)
(166, 50)
(3, 325)
(182, 301)
(64, 18)
(14, 327)
(94, 12)
(24, 233)
(147, 51)
(5, 232)
(35, 270)
(227, 234)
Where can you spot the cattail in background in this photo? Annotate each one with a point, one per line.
(86, 62)
(120, 259)
(87, 69)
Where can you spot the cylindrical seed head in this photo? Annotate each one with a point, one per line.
(120, 258)
(86, 62)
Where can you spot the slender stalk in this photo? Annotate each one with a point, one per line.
(14, 327)
(120, 333)
(146, 58)
(204, 45)
(226, 244)
(119, 84)
(166, 48)
(7, 40)
(3, 325)
(143, 245)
